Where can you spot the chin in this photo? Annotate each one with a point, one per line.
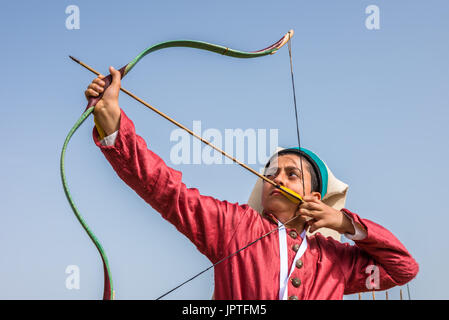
(279, 204)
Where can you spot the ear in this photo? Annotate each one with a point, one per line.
(316, 195)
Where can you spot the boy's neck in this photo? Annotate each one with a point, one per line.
(298, 223)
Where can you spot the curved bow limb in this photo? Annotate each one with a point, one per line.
(201, 45)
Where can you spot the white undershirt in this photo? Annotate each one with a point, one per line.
(110, 139)
(284, 274)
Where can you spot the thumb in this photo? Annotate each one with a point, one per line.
(116, 77)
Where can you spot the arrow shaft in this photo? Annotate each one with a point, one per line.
(165, 116)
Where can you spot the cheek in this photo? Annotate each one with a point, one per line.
(265, 191)
(307, 182)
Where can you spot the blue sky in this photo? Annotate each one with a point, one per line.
(373, 104)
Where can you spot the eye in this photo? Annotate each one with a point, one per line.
(271, 173)
(294, 173)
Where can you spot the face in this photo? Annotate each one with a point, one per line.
(285, 170)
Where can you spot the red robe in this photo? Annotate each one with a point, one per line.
(218, 228)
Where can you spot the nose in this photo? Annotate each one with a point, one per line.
(279, 179)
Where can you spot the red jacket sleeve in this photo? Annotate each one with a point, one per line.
(207, 222)
(379, 261)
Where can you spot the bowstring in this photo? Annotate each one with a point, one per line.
(296, 113)
(275, 229)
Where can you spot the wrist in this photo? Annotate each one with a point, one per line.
(109, 120)
(347, 226)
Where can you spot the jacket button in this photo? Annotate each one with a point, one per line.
(293, 234)
(299, 263)
(295, 247)
(296, 282)
(293, 298)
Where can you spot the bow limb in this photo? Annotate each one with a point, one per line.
(213, 48)
(272, 49)
(108, 292)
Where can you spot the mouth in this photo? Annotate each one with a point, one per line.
(275, 193)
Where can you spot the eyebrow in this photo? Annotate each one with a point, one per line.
(287, 168)
(293, 167)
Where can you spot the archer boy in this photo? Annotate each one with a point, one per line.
(287, 264)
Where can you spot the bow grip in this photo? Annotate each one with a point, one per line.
(107, 80)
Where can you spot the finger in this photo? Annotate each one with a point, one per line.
(305, 212)
(311, 206)
(91, 93)
(96, 87)
(311, 199)
(317, 213)
(309, 224)
(98, 81)
(116, 76)
(316, 225)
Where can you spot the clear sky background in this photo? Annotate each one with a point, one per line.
(374, 104)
